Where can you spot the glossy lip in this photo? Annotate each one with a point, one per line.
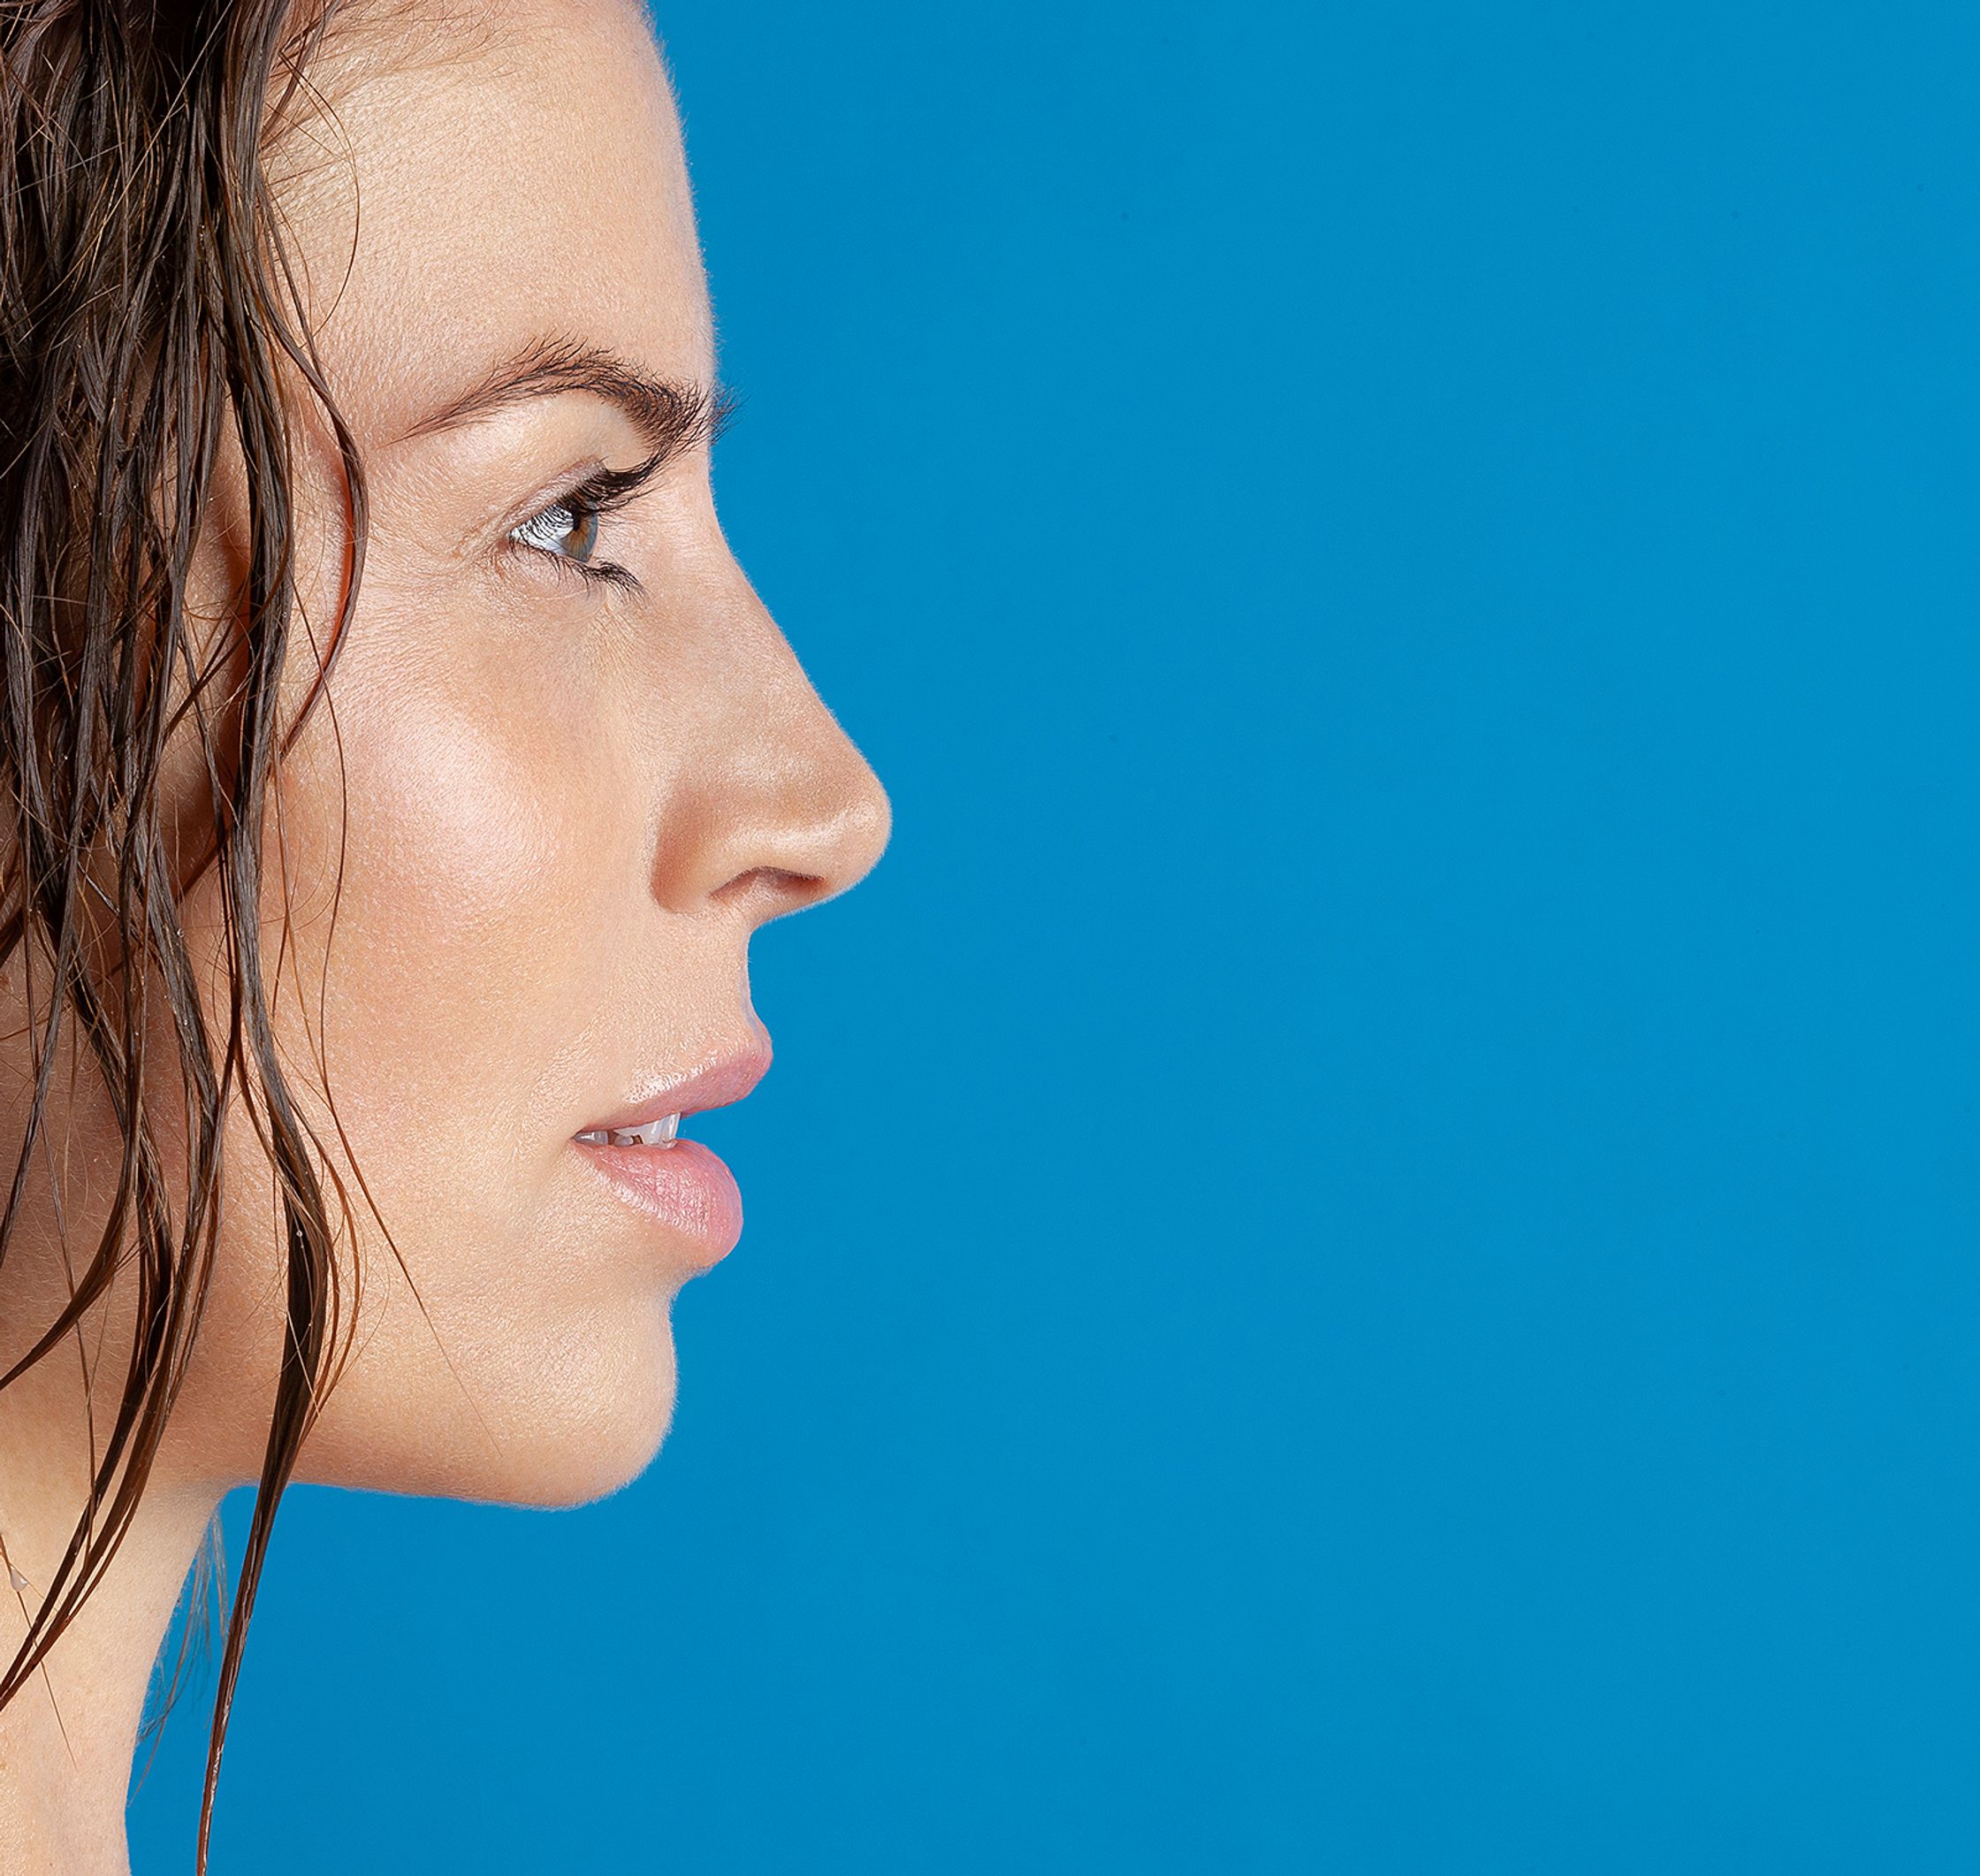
(684, 1188)
(721, 1084)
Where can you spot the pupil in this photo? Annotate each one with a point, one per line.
(584, 534)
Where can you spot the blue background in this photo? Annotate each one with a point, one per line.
(1361, 1250)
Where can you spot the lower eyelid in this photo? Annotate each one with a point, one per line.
(585, 573)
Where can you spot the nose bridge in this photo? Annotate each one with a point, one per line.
(771, 804)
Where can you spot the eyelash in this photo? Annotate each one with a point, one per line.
(603, 493)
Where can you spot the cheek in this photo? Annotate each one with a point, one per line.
(457, 850)
(484, 843)
(447, 865)
(468, 850)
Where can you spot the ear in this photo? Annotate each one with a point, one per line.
(204, 667)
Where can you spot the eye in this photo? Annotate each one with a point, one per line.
(567, 530)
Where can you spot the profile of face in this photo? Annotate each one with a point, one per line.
(564, 766)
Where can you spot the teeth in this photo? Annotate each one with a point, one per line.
(657, 1132)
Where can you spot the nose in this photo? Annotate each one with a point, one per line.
(771, 807)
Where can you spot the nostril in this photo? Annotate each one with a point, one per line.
(767, 892)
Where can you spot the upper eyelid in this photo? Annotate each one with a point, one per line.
(606, 490)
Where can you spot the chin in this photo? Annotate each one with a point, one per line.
(576, 1418)
(576, 1459)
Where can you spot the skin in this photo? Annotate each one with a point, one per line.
(558, 809)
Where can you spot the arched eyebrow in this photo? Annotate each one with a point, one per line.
(672, 416)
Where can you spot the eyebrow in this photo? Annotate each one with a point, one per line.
(674, 417)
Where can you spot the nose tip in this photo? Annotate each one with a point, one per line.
(866, 825)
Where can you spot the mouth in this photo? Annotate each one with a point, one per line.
(677, 1183)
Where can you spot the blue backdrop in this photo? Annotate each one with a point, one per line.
(1362, 1249)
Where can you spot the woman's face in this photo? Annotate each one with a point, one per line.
(567, 765)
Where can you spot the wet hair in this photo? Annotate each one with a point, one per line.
(151, 332)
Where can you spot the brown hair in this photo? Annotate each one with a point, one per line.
(148, 323)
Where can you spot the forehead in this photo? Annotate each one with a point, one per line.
(472, 179)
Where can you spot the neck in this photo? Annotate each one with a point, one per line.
(68, 1734)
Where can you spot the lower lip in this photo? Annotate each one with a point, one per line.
(684, 1187)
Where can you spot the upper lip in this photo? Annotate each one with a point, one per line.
(728, 1078)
